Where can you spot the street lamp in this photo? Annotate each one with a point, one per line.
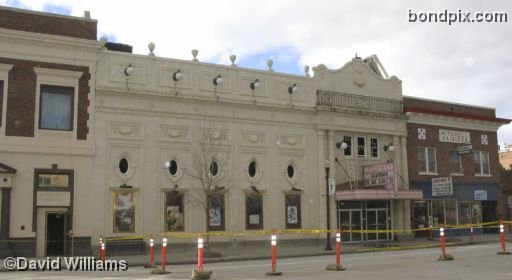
(328, 208)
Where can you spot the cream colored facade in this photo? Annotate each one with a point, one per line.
(149, 119)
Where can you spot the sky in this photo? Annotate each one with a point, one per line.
(460, 62)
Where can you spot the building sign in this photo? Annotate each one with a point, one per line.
(509, 200)
(381, 174)
(332, 187)
(454, 136)
(442, 186)
(53, 198)
(480, 194)
(465, 149)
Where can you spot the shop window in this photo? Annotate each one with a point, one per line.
(361, 146)
(348, 151)
(444, 212)
(56, 108)
(293, 211)
(470, 212)
(427, 160)
(481, 161)
(174, 211)
(374, 147)
(45, 180)
(253, 211)
(124, 212)
(216, 212)
(455, 163)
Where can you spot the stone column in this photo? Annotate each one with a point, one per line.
(405, 177)
(322, 155)
(331, 147)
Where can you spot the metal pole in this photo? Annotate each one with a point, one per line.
(328, 237)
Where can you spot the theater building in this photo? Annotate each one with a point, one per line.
(453, 159)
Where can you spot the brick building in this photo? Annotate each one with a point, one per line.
(47, 66)
(453, 158)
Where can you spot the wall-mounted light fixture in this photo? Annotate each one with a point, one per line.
(177, 76)
(389, 147)
(341, 145)
(254, 85)
(217, 80)
(128, 71)
(293, 88)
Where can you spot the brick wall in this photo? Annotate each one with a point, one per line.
(447, 107)
(22, 93)
(442, 154)
(47, 24)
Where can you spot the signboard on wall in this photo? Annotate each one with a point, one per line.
(480, 194)
(454, 136)
(381, 174)
(442, 186)
(332, 187)
(509, 200)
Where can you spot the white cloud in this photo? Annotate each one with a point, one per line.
(462, 62)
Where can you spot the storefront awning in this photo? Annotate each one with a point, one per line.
(378, 194)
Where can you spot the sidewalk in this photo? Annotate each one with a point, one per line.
(288, 251)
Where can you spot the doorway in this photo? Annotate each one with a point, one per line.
(351, 220)
(356, 217)
(55, 233)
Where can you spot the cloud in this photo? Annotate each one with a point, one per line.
(463, 62)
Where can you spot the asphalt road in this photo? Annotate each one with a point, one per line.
(471, 262)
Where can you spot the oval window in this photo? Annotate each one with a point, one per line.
(291, 171)
(253, 168)
(123, 166)
(214, 168)
(173, 167)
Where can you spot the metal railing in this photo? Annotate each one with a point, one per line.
(359, 102)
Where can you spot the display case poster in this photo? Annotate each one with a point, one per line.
(215, 216)
(124, 212)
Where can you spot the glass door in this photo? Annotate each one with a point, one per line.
(350, 220)
(377, 219)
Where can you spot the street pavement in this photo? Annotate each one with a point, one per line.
(385, 261)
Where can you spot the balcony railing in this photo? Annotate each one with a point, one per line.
(359, 102)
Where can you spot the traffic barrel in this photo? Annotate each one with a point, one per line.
(273, 244)
(337, 266)
(151, 254)
(443, 256)
(199, 273)
(163, 252)
(502, 239)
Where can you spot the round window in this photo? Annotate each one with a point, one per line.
(123, 166)
(291, 171)
(253, 168)
(214, 168)
(173, 167)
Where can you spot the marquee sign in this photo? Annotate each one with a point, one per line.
(381, 174)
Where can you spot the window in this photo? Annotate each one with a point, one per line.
(174, 211)
(52, 180)
(481, 160)
(214, 168)
(427, 160)
(216, 215)
(172, 167)
(290, 171)
(124, 212)
(292, 211)
(253, 169)
(348, 151)
(361, 146)
(253, 211)
(56, 108)
(123, 166)
(374, 147)
(455, 162)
